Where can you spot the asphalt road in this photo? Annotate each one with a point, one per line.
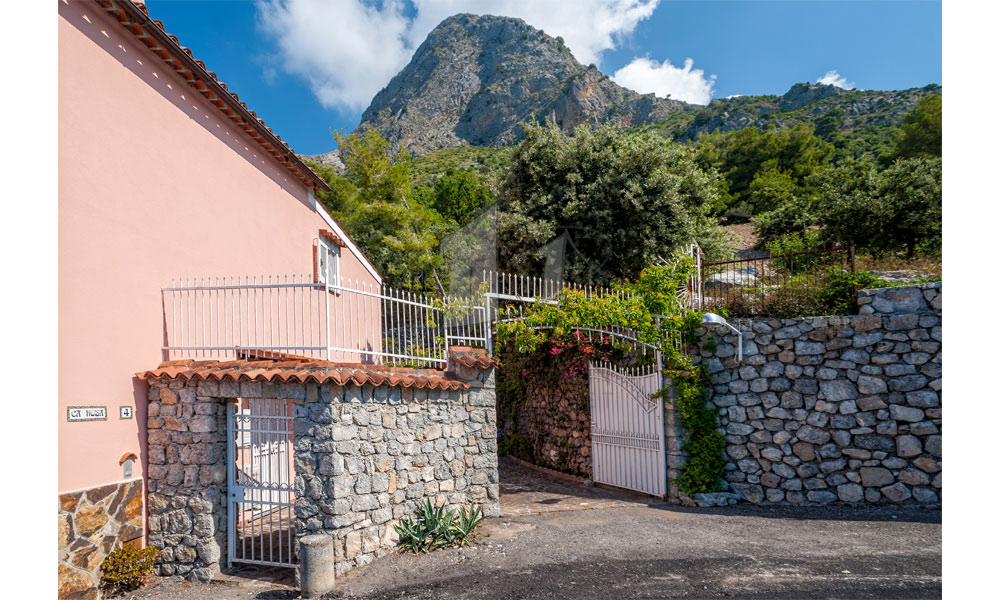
(560, 539)
(670, 552)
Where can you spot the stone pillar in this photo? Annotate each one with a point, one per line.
(187, 477)
(673, 441)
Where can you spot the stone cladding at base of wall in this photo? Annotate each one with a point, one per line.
(366, 457)
(93, 523)
(835, 409)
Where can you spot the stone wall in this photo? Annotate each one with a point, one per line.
(555, 419)
(92, 523)
(367, 456)
(835, 409)
(371, 443)
(187, 473)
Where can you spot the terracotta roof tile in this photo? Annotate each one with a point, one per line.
(472, 357)
(306, 371)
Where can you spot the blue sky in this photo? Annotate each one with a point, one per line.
(309, 66)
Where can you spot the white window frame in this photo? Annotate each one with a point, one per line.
(328, 255)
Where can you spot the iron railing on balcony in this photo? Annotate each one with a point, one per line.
(353, 322)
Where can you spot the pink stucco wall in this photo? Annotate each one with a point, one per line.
(154, 183)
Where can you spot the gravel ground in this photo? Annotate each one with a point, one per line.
(652, 552)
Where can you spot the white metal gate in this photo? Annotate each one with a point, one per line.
(626, 428)
(261, 490)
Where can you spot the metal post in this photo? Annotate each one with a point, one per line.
(854, 286)
(326, 298)
(488, 328)
(231, 505)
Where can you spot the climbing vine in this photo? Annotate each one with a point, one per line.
(704, 445)
(648, 308)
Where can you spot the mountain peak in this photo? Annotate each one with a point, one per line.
(476, 78)
(802, 94)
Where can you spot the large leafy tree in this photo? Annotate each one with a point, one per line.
(457, 195)
(881, 211)
(920, 133)
(374, 200)
(745, 155)
(620, 198)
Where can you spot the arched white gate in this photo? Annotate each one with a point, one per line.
(626, 428)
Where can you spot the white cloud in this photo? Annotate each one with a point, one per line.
(836, 79)
(349, 50)
(346, 50)
(686, 83)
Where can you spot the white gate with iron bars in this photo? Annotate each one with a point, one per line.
(626, 428)
(261, 490)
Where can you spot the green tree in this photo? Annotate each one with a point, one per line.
(771, 189)
(374, 201)
(742, 154)
(458, 195)
(624, 198)
(880, 211)
(920, 133)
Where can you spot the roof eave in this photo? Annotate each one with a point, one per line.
(136, 21)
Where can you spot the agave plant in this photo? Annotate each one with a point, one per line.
(434, 528)
(467, 521)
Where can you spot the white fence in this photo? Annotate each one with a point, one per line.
(271, 316)
(354, 322)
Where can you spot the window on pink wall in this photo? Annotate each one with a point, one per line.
(328, 268)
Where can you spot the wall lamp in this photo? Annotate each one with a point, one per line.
(712, 319)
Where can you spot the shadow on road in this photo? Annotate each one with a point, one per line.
(813, 513)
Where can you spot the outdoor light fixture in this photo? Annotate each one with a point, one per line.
(714, 319)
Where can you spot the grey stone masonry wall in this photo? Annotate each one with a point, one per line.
(187, 475)
(835, 409)
(366, 456)
(555, 418)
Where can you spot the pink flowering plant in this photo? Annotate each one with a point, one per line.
(574, 327)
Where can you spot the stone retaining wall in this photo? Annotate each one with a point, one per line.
(555, 419)
(835, 409)
(92, 523)
(365, 457)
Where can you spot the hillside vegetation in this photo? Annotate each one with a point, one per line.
(493, 148)
(606, 202)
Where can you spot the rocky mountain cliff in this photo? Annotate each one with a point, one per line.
(846, 110)
(475, 79)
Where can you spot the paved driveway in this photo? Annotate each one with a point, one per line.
(561, 539)
(558, 539)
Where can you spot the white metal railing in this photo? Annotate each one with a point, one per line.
(357, 322)
(526, 288)
(353, 322)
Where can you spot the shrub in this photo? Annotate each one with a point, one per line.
(435, 529)
(128, 567)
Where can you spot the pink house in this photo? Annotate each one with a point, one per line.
(163, 173)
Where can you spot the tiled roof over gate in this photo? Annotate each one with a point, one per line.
(284, 369)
